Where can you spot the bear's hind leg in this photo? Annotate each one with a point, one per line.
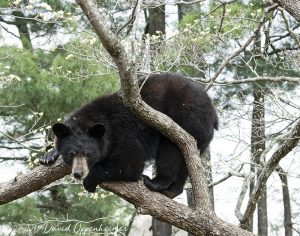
(168, 163)
(177, 187)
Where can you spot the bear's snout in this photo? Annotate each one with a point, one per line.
(78, 175)
(80, 168)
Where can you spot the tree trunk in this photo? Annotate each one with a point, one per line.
(156, 26)
(190, 200)
(156, 23)
(160, 228)
(257, 148)
(184, 9)
(286, 202)
(21, 24)
(199, 222)
(251, 188)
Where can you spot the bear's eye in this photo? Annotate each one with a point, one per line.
(88, 154)
(71, 154)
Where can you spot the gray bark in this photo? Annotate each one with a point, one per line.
(191, 201)
(21, 24)
(24, 184)
(156, 20)
(160, 228)
(206, 160)
(184, 9)
(257, 148)
(291, 6)
(288, 230)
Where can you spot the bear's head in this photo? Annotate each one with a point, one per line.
(80, 147)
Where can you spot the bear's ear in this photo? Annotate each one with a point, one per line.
(61, 130)
(97, 130)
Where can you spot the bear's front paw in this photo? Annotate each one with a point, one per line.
(89, 185)
(50, 157)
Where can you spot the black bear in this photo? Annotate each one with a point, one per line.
(104, 141)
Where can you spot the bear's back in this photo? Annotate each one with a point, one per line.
(185, 101)
(182, 99)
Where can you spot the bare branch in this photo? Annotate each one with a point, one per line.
(242, 195)
(13, 158)
(222, 17)
(251, 80)
(189, 2)
(135, 11)
(20, 143)
(290, 143)
(241, 49)
(227, 176)
(292, 33)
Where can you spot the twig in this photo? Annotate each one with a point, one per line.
(222, 17)
(135, 11)
(228, 175)
(20, 143)
(134, 28)
(293, 35)
(237, 52)
(189, 2)
(242, 195)
(251, 80)
(13, 158)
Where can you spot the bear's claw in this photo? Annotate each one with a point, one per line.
(49, 158)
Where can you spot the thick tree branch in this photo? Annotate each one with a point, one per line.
(291, 6)
(131, 97)
(290, 143)
(197, 222)
(24, 184)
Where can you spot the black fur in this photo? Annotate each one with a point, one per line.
(117, 144)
